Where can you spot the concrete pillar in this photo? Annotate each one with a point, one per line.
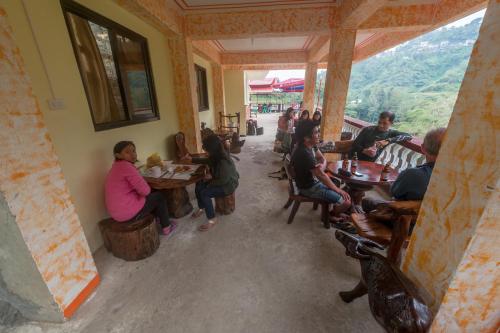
(310, 86)
(454, 250)
(46, 268)
(340, 57)
(218, 87)
(186, 98)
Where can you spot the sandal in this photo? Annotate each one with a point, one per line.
(197, 213)
(206, 226)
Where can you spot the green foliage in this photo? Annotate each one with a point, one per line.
(418, 81)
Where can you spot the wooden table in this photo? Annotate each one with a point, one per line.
(175, 192)
(370, 177)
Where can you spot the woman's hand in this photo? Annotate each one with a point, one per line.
(344, 195)
(186, 159)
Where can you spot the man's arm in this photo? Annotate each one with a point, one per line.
(397, 136)
(321, 159)
(323, 177)
(357, 145)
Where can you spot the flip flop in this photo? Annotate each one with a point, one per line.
(207, 226)
(345, 226)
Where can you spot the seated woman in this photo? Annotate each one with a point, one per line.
(317, 118)
(128, 196)
(220, 182)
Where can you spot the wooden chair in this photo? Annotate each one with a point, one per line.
(182, 151)
(230, 117)
(225, 205)
(296, 199)
(402, 215)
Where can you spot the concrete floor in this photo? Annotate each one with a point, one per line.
(251, 273)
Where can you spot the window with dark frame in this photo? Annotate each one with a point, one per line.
(202, 88)
(115, 68)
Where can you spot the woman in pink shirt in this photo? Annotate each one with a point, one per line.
(128, 196)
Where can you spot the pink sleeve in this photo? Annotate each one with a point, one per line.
(137, 182)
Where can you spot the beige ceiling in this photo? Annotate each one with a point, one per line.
(263, 44)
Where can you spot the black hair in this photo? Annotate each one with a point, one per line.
(316, 113)
(288, 113)
(387, 115)
(303, 113)
(118, 148)
(212, 144)
(304, 130)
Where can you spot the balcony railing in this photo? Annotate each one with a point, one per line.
(401, 155)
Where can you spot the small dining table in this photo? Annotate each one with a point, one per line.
(175, 192)
(369, 176)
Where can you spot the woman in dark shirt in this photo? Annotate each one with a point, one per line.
(220, 182)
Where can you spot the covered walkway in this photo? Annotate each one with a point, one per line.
(252, 273)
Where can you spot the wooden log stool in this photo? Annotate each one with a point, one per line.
(225, 205)
(131, 241)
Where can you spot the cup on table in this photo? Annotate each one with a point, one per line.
(156, 171)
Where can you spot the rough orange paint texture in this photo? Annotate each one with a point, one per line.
(354, 12)
(466, 173)
(164, 14)
(472, 302)
(181, 52)
(264, 67)
(421, 15)
(292, 57)
(218, 89)
(298, 21)
(337, 82)
(318, 49)
(206, 50)
(33, 184)
(309, 86)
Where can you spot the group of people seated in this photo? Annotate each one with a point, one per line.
(309, 163)
(129, 197)
(289, 122)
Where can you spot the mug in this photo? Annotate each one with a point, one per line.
(156, 171)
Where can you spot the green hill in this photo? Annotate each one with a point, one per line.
(419, 80)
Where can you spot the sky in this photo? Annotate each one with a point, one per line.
(299, 73)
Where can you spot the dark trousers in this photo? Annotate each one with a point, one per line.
(157, 205)
(204, 195)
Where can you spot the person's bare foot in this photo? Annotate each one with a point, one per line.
(197, 213)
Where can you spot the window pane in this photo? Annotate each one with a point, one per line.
(98, 70)
(134, 77)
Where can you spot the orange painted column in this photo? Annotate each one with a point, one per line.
(186, 98)
(218, 88)
(337, 82)
(33, 186)
(310, 86)
(454, 250)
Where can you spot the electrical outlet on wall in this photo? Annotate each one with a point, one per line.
(56, 103)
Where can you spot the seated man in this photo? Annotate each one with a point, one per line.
(309, 166)
(412, 183)
(371, 141)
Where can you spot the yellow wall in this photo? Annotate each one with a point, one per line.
(234, 91)
(86, 155)
(207, 116)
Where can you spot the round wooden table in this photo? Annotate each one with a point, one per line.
(358, 185)
(175, 192)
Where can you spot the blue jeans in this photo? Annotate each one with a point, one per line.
(204, 195)
(320, 191)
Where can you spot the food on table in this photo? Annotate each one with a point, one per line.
(154, 160)
(182, 168)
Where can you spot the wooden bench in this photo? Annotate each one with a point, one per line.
(225, 205)
(131, 241)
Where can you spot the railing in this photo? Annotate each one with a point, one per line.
(400, 156)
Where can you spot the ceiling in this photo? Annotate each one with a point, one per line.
(263, 44)
(230, 4)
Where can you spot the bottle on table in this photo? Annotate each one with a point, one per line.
(385, 172)
(354, 163)
(345, 163)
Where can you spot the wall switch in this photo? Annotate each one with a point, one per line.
(56, 103)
